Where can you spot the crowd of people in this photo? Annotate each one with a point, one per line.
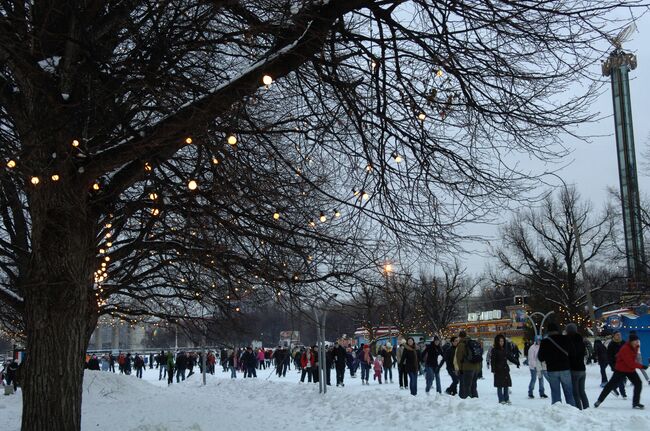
(559, 359)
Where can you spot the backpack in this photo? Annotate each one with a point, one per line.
(473, 352)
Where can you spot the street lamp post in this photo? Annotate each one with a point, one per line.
(320, 314)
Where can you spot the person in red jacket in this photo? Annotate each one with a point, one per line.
(307, 362)
(626, 366)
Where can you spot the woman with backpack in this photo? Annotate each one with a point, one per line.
(409, 361)
(500, 369)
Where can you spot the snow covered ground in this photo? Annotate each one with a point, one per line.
(125, 403)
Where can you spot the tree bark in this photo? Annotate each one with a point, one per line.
(60, 308)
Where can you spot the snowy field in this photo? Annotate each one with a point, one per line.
(125, 403)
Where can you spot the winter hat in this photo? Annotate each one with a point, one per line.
(388, 345)
(633, 337)
(571, 328)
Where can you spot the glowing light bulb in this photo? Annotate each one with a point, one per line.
(312, 223)
(323, 217)
(188, 140)
(337, 214)
(75, 143)
(267, 80)
(439, 73)
(192, 185)
(153, 196)
(365, 196)
(147, 167)
(422, 116)
(11, 164)
(215, 161)
(35, 180)
(55, 177)
(96, 186)
(155, 211)
(232, 140)
(276, 215)
(109, 244)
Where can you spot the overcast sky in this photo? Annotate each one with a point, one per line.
(592, 167)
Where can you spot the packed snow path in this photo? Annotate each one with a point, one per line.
(125, 403)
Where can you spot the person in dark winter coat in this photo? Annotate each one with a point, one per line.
(468, 371)
(612, 349)
(625, 367)
(181, 365)
(449, 353)
(387, 356)
(411, 364)
(93, 363)
(340, 358)
(433, 360)
(577, 352)
(127, 364)
(500, 369)
(138, 364)
(249, 360)
(554, 351)
(329, 364)
(600, 352)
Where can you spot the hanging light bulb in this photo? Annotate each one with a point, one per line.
(312, 223)
(192, 185)
(232, 140)
(153, 196)
(96, 186)
(55, 177)
(215, 161)
(439, 73)
(75, 143)
(365, 196)
(11, 164)
(422, 116)
(276, 215)
(267, 80)
(147, 167)
(155, 211)
(397, 157)
(35, 180)
(109, 244)
(323, 217)
(188, 140)
(337, 214)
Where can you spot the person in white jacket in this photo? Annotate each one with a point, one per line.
(535, 369)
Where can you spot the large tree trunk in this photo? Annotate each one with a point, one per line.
(60, 309)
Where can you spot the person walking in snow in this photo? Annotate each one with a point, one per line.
(387, 360)
(499, 366)
(449, 352)
(377, 368)
(600, 352)
(625, 367)
(468, 361)
(306, 363)
(411, 364)
(170, 368)
(577, 352)
(162, 365)
(554, 351)
(433, 360)
(535, 367)
(138, 364)
(402, 375)
(612, 349)
(340, 358)
(249, 360)
(366, 361)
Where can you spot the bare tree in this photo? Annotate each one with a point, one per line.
(125, 124)
(539, 251)
(440, 297)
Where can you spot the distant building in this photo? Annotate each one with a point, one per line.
(289, 339)
(486, 325)
(116, 335)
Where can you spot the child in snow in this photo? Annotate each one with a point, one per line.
(377, 368)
